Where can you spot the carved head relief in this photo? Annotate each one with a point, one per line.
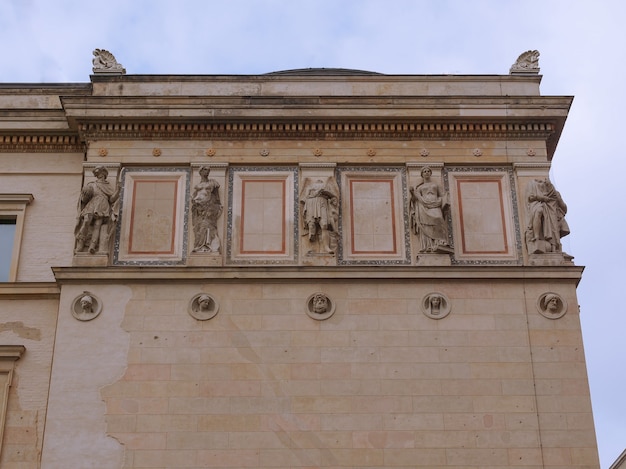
(86, 306)
(436, 305)
(319, 306)
(551, 305)
(203, 307)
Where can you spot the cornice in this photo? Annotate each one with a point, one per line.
(131, 274)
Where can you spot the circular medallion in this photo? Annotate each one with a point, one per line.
(551, 306)
(436, 305)
(86, 306)
(319, 306)
(203, 307)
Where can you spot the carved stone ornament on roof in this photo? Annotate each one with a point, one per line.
(104, 62)
(526, 63)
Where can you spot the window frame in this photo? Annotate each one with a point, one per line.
(9, 354)
(13, 207)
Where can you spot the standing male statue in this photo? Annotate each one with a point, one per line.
(319, 202)
(97, 213)
(546, 212)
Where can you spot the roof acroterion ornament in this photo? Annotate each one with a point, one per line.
(527, 63)
(104, 62)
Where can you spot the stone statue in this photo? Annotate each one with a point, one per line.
(97, 213)
(319, 202)
(546, 213)
(528, 62)
(104, 62)
(206, 208)
(429, 206)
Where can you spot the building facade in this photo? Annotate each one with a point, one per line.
(310, 268)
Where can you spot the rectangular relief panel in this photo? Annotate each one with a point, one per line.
(153, 216)
(261, 225)
(483, 219)
(373, 214)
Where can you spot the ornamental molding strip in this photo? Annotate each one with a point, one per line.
(323, 131)
(41, 144)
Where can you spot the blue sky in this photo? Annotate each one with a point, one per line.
(582, 54)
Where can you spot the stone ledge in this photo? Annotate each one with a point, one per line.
(33, 290)
(292, 273)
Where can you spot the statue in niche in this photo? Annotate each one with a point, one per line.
(97, 213)
(319, 200)
(546, 212)
(206, 208)
(429, 206)
(105, 62)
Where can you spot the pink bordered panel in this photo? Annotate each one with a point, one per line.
(483, 218)
(262, 224)
(372, 222)
(153, 216)
(263, 220)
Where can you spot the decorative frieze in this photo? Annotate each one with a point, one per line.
(415, 214)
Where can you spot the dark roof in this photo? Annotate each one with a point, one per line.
(323, 71)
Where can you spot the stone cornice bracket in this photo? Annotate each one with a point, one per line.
(526, 64)
(11, 352)
(317, 165)
(105, 63)
(213, 165)
(538, 165)
(415, 165)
